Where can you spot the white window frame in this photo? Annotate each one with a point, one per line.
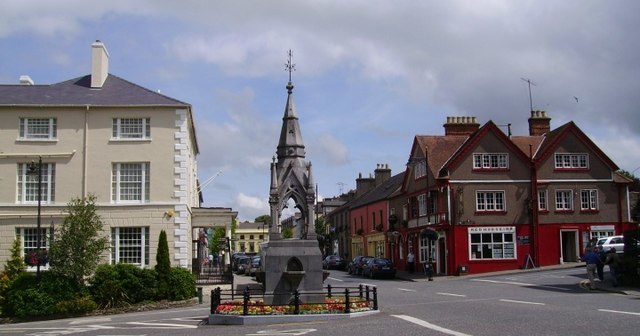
(491, 161)
(27, 185)
(419, 170)
(589, 199)
(564, 200)
(121, 129)
(490, 201)
(130, 245)
(422, 205)
(28, 238)
(597, 234)
(141, 185)
(571, 160)
(48, 125)
(543, 204)
(492, 243)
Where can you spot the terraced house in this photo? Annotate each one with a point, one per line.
(478, 200)
(133, 148)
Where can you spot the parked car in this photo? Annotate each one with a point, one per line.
(355, 266)
(334, 262)
(606, 243)
(243, 264)
(234, 260)
(254, 266)
(378, 267)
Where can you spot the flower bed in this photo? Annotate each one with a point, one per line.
(258, 307)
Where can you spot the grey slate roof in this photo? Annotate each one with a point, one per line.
(381, 192)
(78, 92)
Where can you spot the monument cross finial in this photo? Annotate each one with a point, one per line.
(290, 66)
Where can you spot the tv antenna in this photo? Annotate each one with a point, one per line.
(208, 181)
(341, 186)
(530, 83)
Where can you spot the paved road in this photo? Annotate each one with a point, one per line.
(536, 303)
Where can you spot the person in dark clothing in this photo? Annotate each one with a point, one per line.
(591, 258)
(602, 255)
(613, 260)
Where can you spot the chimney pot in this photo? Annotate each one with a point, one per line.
(461, 125)
(26, 80)
(539, 123)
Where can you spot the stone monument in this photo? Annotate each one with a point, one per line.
(295, 263)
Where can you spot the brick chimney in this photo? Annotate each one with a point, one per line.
(460, 126)
(539, 123)
(99, 64)
(382, 173)
(364, 184)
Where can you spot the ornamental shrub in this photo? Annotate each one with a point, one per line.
(182, 284)
(76, 306)
(163, 266)
(122, 284)
(106, 288)
(25, 297)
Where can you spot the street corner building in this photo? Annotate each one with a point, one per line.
(478, 199)
(133, 148)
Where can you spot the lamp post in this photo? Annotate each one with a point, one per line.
(36, 170)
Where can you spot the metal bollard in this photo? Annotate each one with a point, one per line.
(199, 295)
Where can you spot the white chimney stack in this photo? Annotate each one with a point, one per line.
(99, 64)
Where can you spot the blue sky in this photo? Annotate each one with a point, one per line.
(370, 75)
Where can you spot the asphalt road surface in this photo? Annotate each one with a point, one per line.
(532, 303)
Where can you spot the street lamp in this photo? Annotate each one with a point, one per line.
(36, 170)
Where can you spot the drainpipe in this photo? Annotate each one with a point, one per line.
(84, 151)
(533, 207)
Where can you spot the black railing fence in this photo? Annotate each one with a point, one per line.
(338, 300)
(212, 275)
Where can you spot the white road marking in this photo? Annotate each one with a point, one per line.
(429, 325)
(164, 325)
(282, 332)
(525, 302)
(406, 290)
(335, 279)
(618, 312)
(91, 320)
(451, 294)
(520, 284)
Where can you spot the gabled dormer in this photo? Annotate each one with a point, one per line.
(567, 152)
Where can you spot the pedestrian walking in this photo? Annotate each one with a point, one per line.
(410, 261)
(613, 260)
(591, 258)
(602, 255)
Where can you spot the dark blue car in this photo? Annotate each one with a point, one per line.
(378, 268)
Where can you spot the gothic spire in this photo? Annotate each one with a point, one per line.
(291, 144)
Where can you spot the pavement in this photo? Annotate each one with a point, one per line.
(605, 285)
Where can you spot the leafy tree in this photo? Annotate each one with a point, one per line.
(287, 233)
(163, 265)
(78, 245)
(15, 265)
(215, 244)
(263, 219)
(324, 240)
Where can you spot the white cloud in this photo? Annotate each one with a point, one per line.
(332, 150)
